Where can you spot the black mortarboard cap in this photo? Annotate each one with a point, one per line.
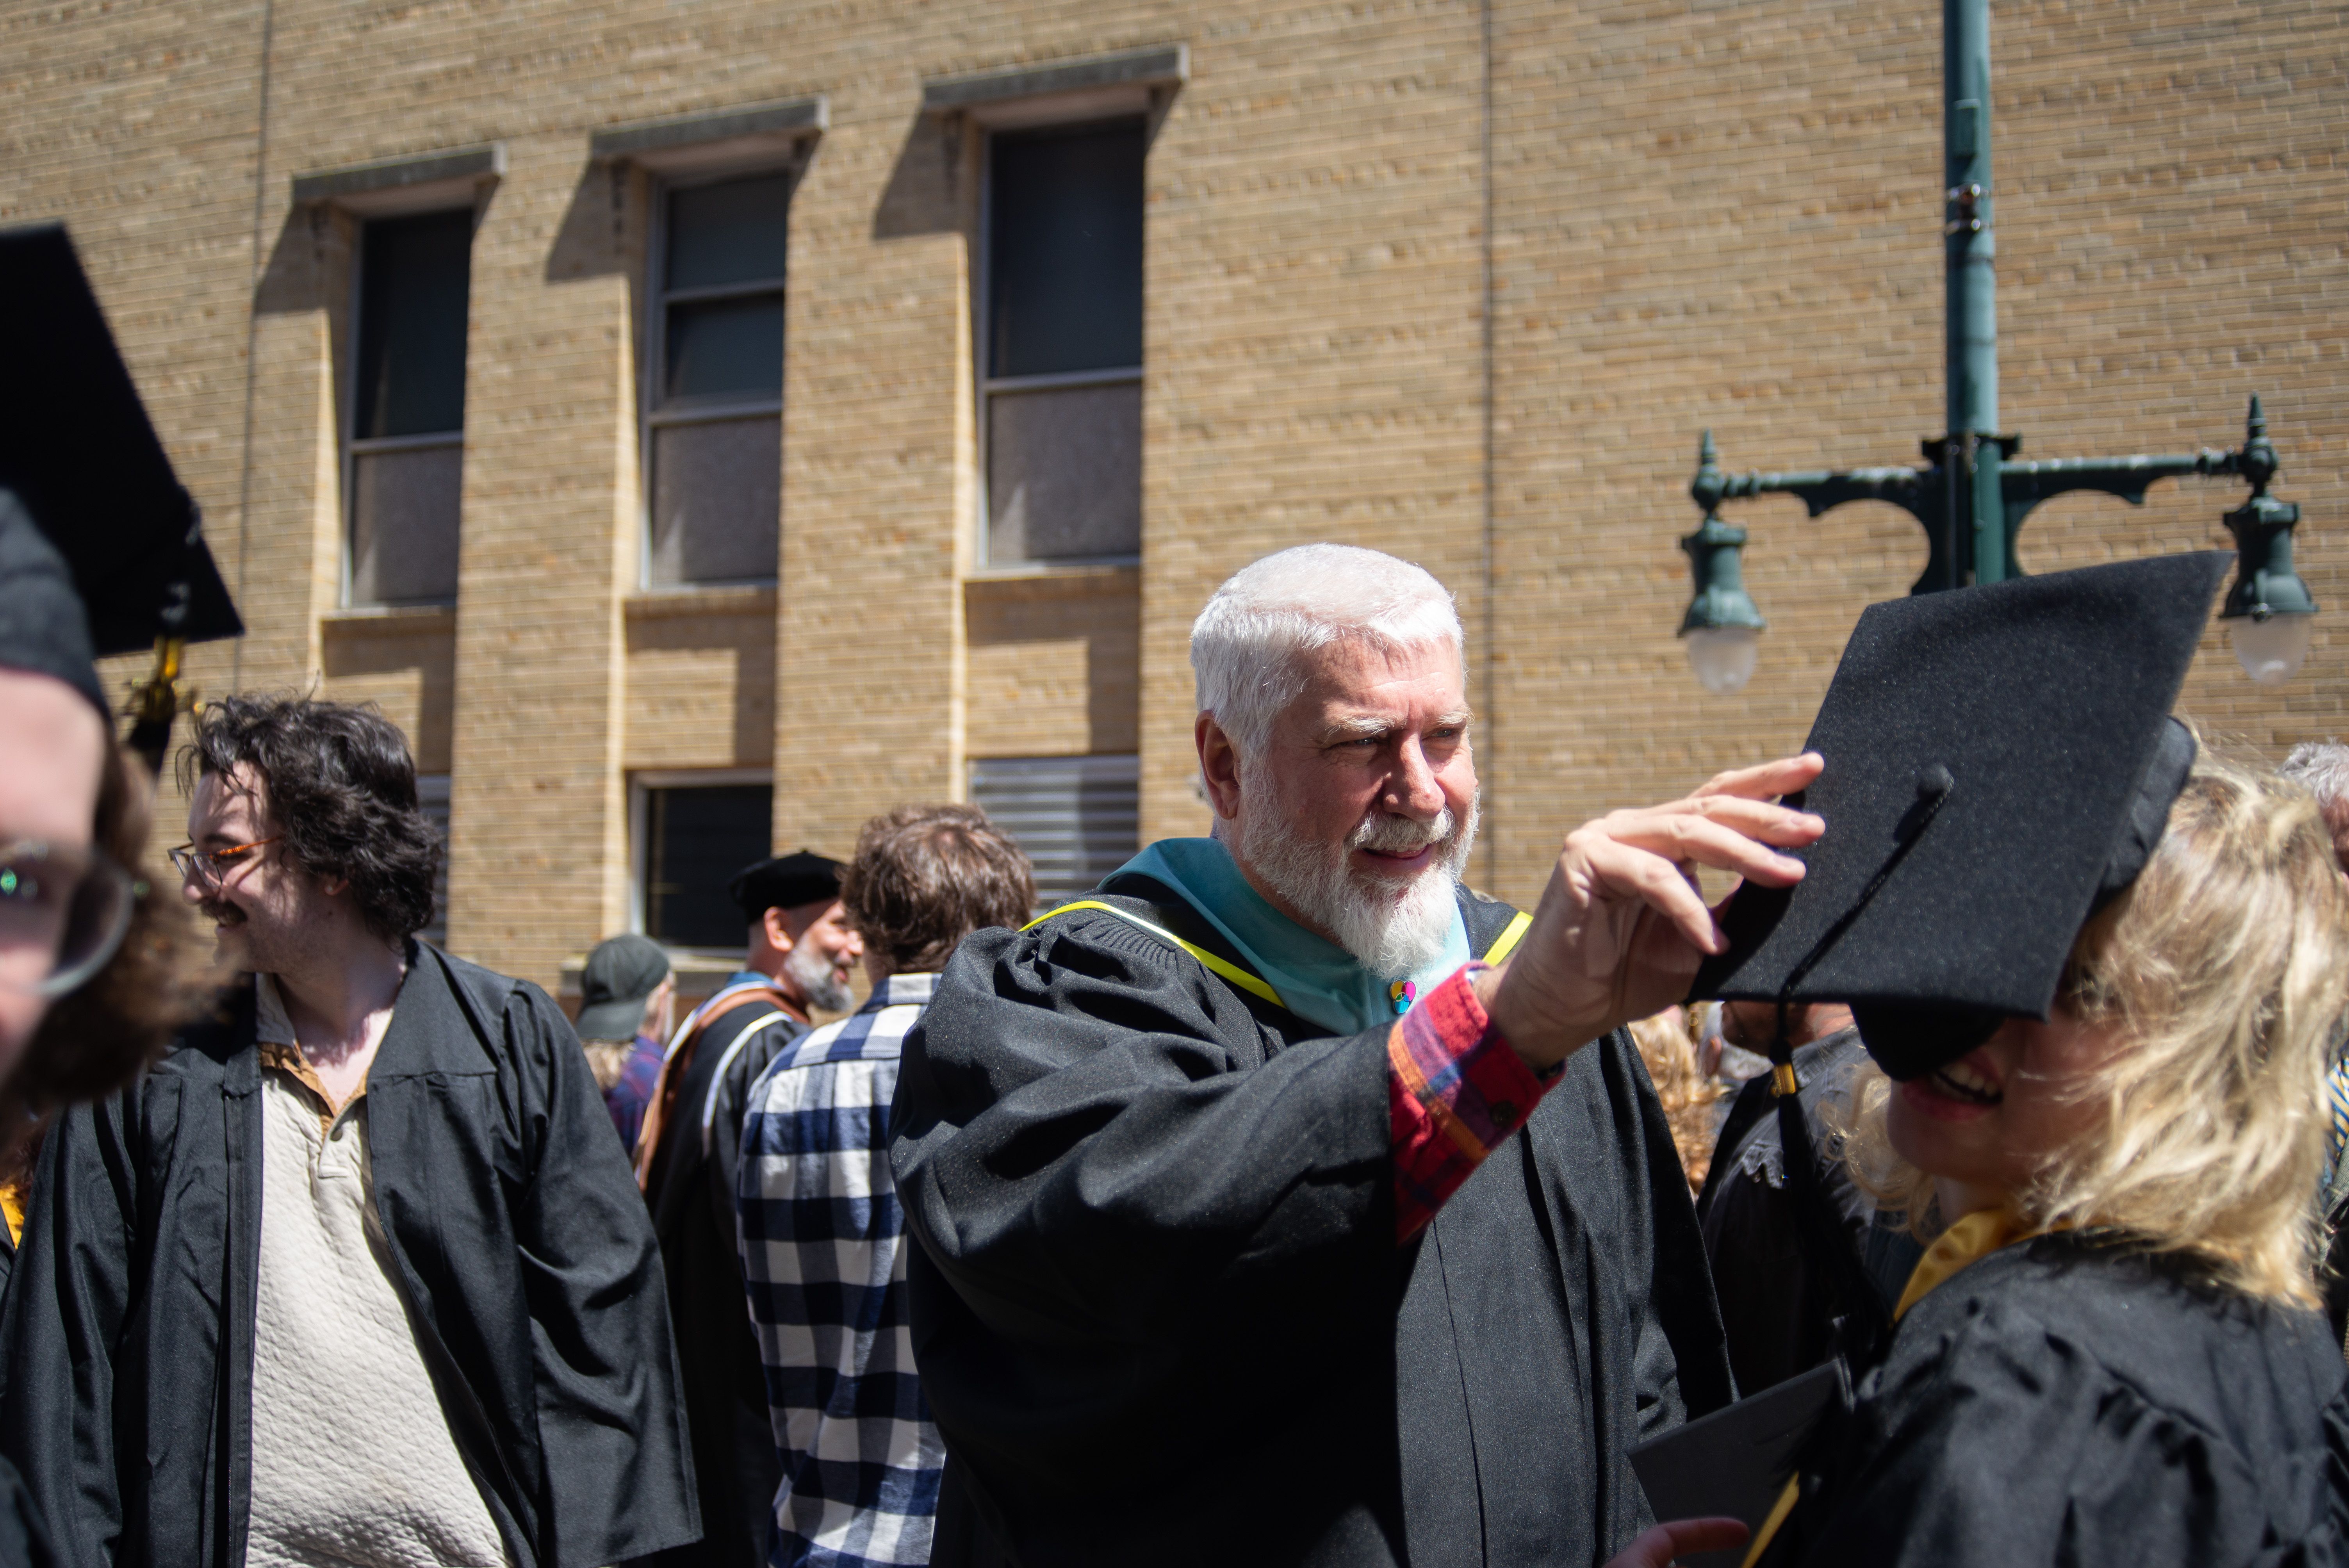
(82, 465)
(2000, 761)
(785, 882)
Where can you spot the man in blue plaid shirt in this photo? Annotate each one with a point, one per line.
(822, 1234)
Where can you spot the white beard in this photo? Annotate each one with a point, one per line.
(819, 986)
(1393, 928)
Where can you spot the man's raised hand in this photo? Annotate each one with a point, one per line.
(1621, 928)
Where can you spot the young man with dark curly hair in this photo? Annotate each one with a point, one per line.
(357, 1273)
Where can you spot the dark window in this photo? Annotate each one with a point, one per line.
(1063, 349)
(696, 838)
(1079, 818)
(408, 414)
(715, 430)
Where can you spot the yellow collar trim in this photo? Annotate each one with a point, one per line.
(1976, 1236)
(1247, 981)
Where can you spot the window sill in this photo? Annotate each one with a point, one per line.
(1045, 571)
(393, 617)
(728, 598)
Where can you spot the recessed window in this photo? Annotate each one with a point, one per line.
(1078, 818)
(714, 430)
(1063, 344)
(692, 840)
(407, 448)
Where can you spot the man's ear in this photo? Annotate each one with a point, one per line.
(1219, 766)
(777, 926)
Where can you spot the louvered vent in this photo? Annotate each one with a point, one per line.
(1078, 818)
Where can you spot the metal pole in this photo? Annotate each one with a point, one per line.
(1971, 251)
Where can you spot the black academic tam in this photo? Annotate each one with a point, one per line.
(1159, 1309)
(517, 1237)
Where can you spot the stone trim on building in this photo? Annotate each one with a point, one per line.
(1167, 65)
(748, 132)
(415, 177)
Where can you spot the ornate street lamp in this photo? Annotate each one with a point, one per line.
(1971, 495)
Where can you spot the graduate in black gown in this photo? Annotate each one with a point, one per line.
(2099, 970)
(1256, 1223)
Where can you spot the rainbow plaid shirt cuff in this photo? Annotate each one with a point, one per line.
(1454, 1089)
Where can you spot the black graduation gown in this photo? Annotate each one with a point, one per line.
(2062, 1402)
(1158, 1307)
(520, 1246)
(1774, 1306)
(691, 1193)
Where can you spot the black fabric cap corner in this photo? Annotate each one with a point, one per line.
(82, 460)
(1993, 756)
(786, 882)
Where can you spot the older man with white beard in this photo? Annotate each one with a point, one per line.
(1285, 1201)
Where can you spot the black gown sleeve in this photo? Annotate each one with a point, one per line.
(618, 1472)
(68, 1304)
(1092, 1136)
(2015, 1445)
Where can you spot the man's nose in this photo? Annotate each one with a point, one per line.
(1412, 789)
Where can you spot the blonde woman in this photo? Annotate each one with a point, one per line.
(2111, 1352)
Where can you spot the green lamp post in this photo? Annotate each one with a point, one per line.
(1723, 628)
(1972, 494)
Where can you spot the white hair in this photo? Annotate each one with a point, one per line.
(1246, 645)
(2321, 768)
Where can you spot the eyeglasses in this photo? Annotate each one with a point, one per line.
(63, 912)
(207, 869)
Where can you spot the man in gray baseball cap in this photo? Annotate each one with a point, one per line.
(627, 997)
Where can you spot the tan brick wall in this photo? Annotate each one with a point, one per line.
(403, 661)
(1055, 662)
(700, 679)
(1701, 216)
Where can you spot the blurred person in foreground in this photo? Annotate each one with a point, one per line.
(800, 954)
(2099, 972)
(100, 554)
(2322, 768)
(371, 1222)
(627, 1006)
(823, 1237)
(1283, 1200)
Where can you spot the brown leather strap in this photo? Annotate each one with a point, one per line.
(680, 1062)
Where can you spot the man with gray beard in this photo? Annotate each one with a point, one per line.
(1285, 1201)
(799, 953)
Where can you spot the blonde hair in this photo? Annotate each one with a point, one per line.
(2225, 968)
(1667, 1048)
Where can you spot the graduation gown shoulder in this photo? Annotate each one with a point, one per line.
(1160, 1314)
(2065, 1402)
(516, 1235)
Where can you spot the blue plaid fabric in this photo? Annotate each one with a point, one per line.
(823, 1242)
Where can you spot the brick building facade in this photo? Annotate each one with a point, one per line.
(1460, 280)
